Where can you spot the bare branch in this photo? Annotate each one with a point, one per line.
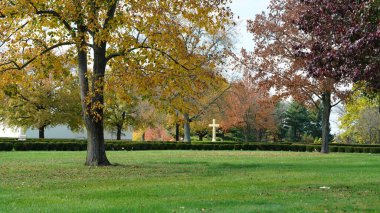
(209, 104)
(338, 102)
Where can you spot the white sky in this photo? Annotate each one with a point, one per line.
(247, 9)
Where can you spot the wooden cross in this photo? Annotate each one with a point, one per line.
(213, 125)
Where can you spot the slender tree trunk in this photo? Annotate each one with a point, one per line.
(41, 132)
(143, 136)
(326, 101)
(200, 137)
(93, 117)
(246, 132)
(118, 132)
(119, 127)
(186, 128)
(177, 131)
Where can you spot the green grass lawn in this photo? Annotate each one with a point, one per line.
(190, 181)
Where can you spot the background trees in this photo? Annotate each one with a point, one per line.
(345, 47)
(250, 109)
(278, 61)
(361, 121)
(40, 100)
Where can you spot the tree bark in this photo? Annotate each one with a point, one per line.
(41, 132)
(186, 128)
(93, 117)
(326, 101)
(177, 131)
(143, 136)
(119, 127)
(118, 132)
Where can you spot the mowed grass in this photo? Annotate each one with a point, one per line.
(190, 181)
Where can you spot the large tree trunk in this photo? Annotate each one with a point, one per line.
(326, 101)
(186, 129)
(41, 132)
(93, 116)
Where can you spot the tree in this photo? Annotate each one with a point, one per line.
(301, 121)
(200, 125)
(278, 61)
(120, 108)
(296, 120)
(41, 102)
(347, 41)
(119, 115)
(361, 121)
(135, 34)
(249, 108)
(280, 116)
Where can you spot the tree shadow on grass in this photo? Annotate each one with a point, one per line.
(119, 165)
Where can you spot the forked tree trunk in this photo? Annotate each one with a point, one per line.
(326, 101)
(41, 132)
(93, 117)
(186, 128)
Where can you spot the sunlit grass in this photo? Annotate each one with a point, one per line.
(190, 181)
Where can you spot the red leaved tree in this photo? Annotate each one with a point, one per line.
(278, 60)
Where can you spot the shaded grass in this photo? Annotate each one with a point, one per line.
(190, 181)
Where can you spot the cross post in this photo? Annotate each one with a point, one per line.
(213, 125)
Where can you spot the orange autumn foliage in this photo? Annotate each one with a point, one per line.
(250, 108)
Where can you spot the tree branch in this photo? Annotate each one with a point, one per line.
(17, 67)
(110, 13)
(168, 56)
(338, 102)
(121, 53)
(19, 28)
(209, 104)
(55, 14)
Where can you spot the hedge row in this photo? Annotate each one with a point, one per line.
(79, 146)
(5, 146)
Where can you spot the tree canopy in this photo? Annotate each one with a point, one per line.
(143, 37)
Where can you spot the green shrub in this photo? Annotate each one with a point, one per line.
(348, 149)
(366, 149)
(6, 146)
(374, 150)
(78, 145)
(333, 149)
(341, 149)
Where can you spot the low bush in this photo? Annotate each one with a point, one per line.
(80, 145)
(6, 146)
